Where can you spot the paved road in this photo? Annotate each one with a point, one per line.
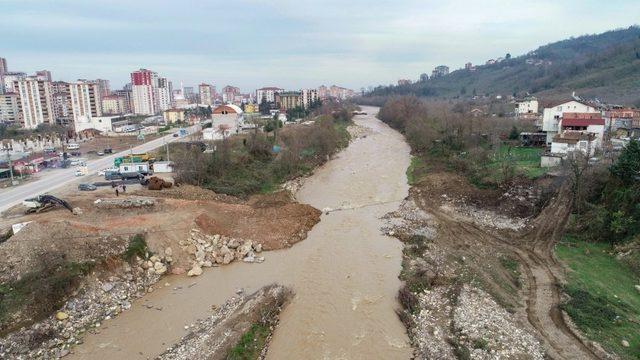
(59, 177)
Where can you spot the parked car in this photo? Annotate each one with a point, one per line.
(131, 175)
(104, 171)
(87, 187)
(112, 175)
(175, 135)
(108, 151)
(82, 171)
(75, 153)
(100, 153)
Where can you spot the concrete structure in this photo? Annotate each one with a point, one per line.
(174, 115)
(128, 99)
(35, 102)
(104, 86)
(309, 97)
(335, 92)
(85, 100)
(230, 94)
(10, 78)
(268, 94)
(526, 106)
(570, 141)
(9, 108)
(591, 123)
(144, 95)
(3, 70)
(552, 115)
(100, 123)
(164, 94)
(439, 71)
(289, 100)
(43, 75)
(114, 105)
(206, 97)
(163, 167)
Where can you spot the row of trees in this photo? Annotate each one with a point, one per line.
(607, 198)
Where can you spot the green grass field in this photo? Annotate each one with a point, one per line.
(604, 303)
(525, 159)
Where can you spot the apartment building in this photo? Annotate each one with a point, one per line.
(62, 110)
(268, 94)
(206, 97)
(230, 94)
(128, 99)
(3, 69)
(35, 103)
(86, 102)
(43, 75)
(164, 94)
(10, 78)
(309, 97)
(9, 108)
(114, 105)
(143, 91)
(289, 99)
(104, 86)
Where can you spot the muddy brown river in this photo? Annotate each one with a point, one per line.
(345, 274)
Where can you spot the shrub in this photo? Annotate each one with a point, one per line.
(137, 247)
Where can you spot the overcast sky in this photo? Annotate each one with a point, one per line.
(288, 43)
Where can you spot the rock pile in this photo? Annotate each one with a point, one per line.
(214, 250)
(124, 202)
(95, 302)
(489, 331)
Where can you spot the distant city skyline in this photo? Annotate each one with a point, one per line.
(285, 43)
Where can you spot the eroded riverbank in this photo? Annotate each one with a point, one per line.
(344, 274)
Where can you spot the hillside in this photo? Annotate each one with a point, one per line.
(605, 65)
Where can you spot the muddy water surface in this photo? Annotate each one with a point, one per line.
(344, 274)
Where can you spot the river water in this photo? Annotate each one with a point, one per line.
(344, 274)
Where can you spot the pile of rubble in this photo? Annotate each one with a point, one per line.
(484, 218)
(95, 302)
(409, 219)
(124, 202)
(489, 331)
(215, 336)
(214, 250)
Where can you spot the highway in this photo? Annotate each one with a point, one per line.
(59, 177)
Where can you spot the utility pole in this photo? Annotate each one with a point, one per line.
(8, 150)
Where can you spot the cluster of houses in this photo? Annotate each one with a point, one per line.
(578, 125)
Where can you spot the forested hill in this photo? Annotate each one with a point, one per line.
(605, 65)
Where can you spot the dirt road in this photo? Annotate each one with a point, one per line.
(344, 274)
(541, 274)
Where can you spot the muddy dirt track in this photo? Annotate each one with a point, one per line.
(540, 271)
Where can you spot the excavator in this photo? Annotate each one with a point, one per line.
(42, 203)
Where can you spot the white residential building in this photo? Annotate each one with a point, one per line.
(267, 93)
(86, 102)
(35, 102)
(570, 141)
(10, 79)
(164, 94)
(9, 108)
(552, 115)
(143, 92)
(206, 97)
(309, 97)
(527, 106)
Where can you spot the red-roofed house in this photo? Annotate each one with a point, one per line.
(586, 122)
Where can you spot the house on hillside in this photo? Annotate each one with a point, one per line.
(552, 115)
(591, 123)
(569, 141)
(228, 115)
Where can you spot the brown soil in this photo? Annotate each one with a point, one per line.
(116, 143)
(479, 250)
(272, 220)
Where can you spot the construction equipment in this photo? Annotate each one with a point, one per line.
(42, 203)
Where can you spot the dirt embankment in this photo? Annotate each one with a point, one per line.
(468, 256)
(241, 328)
(77, 260)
